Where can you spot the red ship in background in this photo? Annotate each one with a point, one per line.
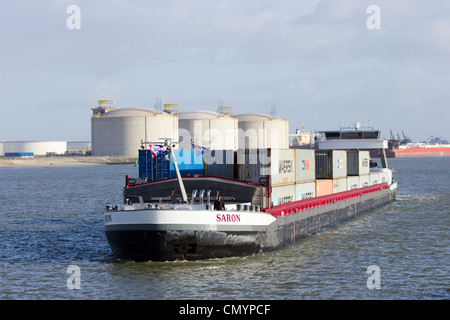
(432, 147)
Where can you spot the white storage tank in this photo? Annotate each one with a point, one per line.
(207, 129)
(118, 133)
(257, 130)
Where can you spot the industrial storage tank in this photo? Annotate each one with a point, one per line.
(257, 130)
(207, 129)
(119, 132)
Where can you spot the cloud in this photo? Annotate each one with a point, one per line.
(315, 57)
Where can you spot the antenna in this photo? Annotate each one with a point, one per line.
(273, 111)
(158, 105)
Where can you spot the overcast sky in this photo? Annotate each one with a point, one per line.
(315, 60)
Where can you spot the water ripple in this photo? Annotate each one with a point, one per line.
(52, 218)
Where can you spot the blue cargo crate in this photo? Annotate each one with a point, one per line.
(188, 163)
(18, 154)
(152, 167)
(158, 167)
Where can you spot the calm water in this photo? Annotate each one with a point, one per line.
(51, 218)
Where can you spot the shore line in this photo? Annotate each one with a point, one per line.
(64, 161)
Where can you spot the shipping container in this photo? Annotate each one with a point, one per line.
(305, 165)
(220, 163)
(364, 181)
(388, 174)
(357, 162)
(189, 162)
(283, 194)
(384, 176)
(364, 162)
(374, 178)
(324, 187)
(353, 183)
(156, 166)
(331, 164)
(19, 154)
(153, 167)
(339, 185)
(305, 190)
(255, 165)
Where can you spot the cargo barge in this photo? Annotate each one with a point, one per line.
(256, 201)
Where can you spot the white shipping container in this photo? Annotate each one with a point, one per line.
(388, 173)
(352, 183)
(339, 164)
(339, 185)
(283, 194)
(364, 162)
(305, 165)
(364, 181)
(385, 174)
(257, 164)
(282, 169)
(374, 178)
(383, 177)
(305, 190)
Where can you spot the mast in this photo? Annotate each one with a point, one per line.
(175, 164)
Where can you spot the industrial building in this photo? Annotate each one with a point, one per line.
(44, 148)
(32, 148)
(79, 148)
